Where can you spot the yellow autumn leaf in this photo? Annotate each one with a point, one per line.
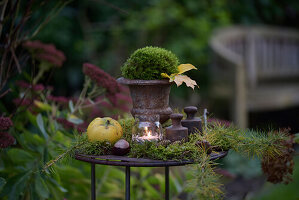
(164, 75)
(185, 67)
(179, 79)
(171, 77)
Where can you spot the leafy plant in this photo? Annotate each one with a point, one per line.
(35, 126)
(149, 62)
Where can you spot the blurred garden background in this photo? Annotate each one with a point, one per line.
(104, 33)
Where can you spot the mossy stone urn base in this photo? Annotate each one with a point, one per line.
(150, 97)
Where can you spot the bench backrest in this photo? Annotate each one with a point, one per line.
(267, 53)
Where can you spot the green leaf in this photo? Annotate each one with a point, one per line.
(10, 182)
(55, 194)
(31, 117)
(75, 120)
(54, 182)
(62, 138)
(20, 156)
(19, 186)
(151, 191)
(71, 106)
(41, 126)
(42, 106)
(41, 187)
(33, 193)
(34, 139)
(2, 183)
(177, 184)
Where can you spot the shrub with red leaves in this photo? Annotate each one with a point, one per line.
(117, 94)
(101, 78)
(46, 52)
(25, 85)
(6, 140)
(112, 98)
(58, 99)
(5, 123)
(280, 168)
(22, 101)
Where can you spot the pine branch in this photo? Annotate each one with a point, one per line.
(60, 157)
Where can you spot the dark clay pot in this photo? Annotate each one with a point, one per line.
(150, 97)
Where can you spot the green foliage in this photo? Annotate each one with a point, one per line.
(265, 12)
(185, 30)
(114, 31)
(21, 165)
(204, 183)
(127, 124)
(149, 62)
(239, 164)
(247, 142)
(2, 183)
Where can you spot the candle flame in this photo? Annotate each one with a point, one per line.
(147, 132)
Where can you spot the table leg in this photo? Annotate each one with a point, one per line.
(93, 182)
(128, 175)
(167, 183)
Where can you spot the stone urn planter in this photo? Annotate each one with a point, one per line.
(150, 97)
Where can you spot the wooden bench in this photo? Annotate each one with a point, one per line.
(256, 68)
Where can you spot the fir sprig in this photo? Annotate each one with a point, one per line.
(248, 142)
(205, 183)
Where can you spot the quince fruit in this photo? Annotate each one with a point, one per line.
(104, 129)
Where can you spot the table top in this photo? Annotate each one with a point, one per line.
(139, 162)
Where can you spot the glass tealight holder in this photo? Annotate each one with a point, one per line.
(147, 128)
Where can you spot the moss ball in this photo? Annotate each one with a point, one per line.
(149, 62)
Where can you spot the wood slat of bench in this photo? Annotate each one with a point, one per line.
(271, 97)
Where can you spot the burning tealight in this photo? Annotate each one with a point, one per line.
(148, 128)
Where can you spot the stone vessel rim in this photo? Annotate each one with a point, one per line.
(125, 81)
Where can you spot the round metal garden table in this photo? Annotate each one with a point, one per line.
(134, 162)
